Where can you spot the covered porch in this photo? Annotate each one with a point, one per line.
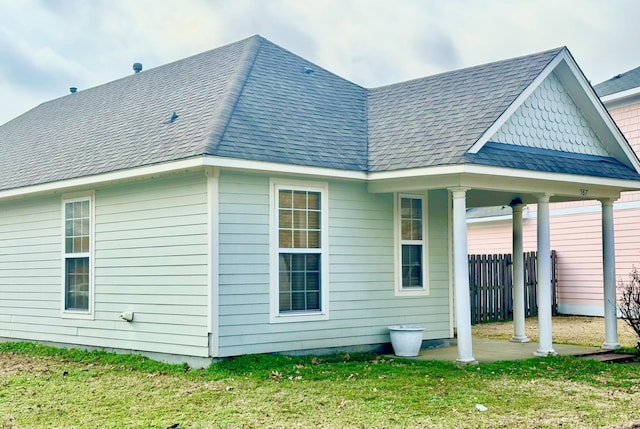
(479, 186)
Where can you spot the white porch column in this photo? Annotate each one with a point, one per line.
(545, 345)
(519, 335)
(461, 277)
(609, 271)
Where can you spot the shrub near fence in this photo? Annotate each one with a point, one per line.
(491, 286)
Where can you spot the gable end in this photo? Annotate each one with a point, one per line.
(550, 119)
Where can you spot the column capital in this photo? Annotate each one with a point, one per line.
(516, 202)
(458, 191)
(517, 208)
(544, 198)
(607, 202)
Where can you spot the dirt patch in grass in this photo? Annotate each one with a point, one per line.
(11, 363)
(582, 330)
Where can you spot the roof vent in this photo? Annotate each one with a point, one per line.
(174, 116)
(73, 89)
(137, 67)
(307, 70)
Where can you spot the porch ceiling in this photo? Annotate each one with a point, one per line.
(490, 186)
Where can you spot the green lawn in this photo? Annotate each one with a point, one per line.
(47, 387)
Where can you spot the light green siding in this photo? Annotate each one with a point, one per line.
(361, 278)
(151, 258)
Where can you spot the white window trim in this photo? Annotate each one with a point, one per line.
(77, 314)
(399, 290)
(274, 251)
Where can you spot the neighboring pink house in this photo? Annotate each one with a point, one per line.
(576, 228)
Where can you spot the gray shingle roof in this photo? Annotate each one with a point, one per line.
(256, 101)
(122, 124)
(295, 112)
(435, 120)
(552, 161)
(619, 83)
(248, 100)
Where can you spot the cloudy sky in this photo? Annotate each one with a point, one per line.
(47, 46)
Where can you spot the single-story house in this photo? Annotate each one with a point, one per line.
(245, 200)
(576, 226)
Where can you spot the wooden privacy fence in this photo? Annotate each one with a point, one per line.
(491, 286)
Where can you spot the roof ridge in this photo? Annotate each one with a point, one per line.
(232, 94)
(477, 66)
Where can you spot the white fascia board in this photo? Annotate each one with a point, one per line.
(112, 177)
(517, 102)
(274, 167)
(553, 177)
(185, 165)
(460, 170)
(602, 113)
(621, 96)
(488, 219)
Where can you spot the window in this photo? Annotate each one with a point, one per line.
(410, 215)
(77, 244)
(300, 243)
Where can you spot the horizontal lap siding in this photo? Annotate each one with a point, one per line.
(362, 301)
(30, 268)
(150, 258)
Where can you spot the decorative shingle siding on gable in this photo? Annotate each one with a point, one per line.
(549, 119)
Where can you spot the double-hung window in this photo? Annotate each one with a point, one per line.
(300, 242)
(411, 264)
(77, 261)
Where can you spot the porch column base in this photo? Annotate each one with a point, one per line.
(611, 346)
(545, 353)
(520, 339)
(462, 361)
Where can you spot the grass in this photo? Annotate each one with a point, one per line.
(47, 387)
(581, 330)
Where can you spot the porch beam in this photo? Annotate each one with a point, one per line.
(609, 277)
(461, 277)
(545, 344)
(519, 335)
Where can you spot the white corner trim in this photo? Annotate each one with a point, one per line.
(502, 119)
(213, 288)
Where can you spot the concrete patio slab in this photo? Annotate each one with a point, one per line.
(485, 350)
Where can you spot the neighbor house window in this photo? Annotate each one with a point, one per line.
(300, 226)
(411, 212)
(77, 264)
